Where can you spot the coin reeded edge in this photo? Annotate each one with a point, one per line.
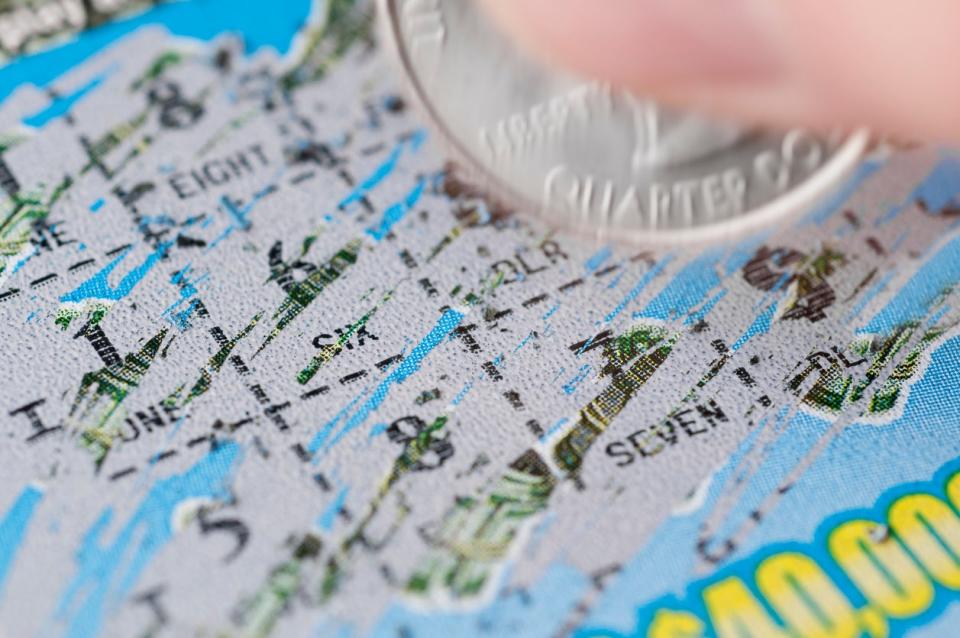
(803, 197)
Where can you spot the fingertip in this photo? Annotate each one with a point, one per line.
(646, 45)
(844, 63)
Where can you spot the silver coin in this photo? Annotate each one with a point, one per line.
(585, 155)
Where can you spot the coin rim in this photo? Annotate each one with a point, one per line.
(803, 197)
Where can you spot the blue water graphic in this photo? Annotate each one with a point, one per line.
(941, 187)
(61, 105)
(395, 213)
(238, 216)
(760, 325)
(13, 528)
(870, 295)
(327, 429)
(383, 171)
(329, 515)
(648, 276)
(450, 319)
(940, 273)
(263, 25)
(553, 429)
(687, 289)
(597, 259)
(98, 287)
(938, 190)
(835, 202)
(701, 314)
(571, 386)
(107, 572)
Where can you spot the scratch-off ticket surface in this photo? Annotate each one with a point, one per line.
(268, 367)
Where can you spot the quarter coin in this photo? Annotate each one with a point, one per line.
(587, 156)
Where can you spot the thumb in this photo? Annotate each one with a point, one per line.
(819, 63)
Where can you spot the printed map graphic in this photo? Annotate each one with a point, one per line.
(271, 367)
